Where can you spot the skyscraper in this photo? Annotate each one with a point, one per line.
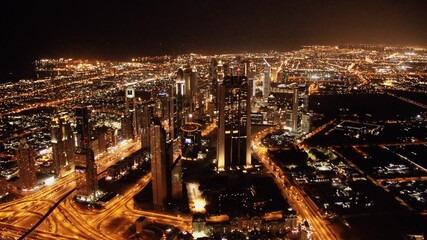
(296, 116)
(191, 140)
(158, 166)
(86, 172)
(146, 119)
(234, 122)
(267, 79)
(188, 95)
(130, 128)
(186, 86)
(63, 145)
(26, 165)
(179, 100)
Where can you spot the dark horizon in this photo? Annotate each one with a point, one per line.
(119, 31)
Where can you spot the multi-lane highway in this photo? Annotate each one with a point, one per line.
(299, 201)
(71, 221)
(68, 220)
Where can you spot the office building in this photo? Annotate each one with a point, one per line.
(266, 79)
(147, 109)
(85, 169)
(176, 179)
(63, 146)
(191, 140)
(27, 165)
(234, 122)
(295, 98)
(179, 98)
(158, 166)
(190, 82)
(129, 120)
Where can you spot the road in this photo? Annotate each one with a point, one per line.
(17, 216)
(298, 200)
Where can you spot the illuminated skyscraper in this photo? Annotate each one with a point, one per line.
(234, 122)
(297, 117)
(300, 120)
(146, 119)
(188, 95)
(158, 166)
(26, 165)
(179, 101)
(274, 71)
(188, 88)
(63, 145)
(191, 140)
(267, 79)
(129, 123)
(85, 169)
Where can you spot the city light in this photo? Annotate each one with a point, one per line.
(199, 205)
(309, 138)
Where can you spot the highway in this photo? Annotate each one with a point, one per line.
(71, 221)
(299, 201)
(18, 216)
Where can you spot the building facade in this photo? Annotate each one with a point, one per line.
(63, 146)
(234, 122)
(158, 166)
(26, 165)
(85, 169)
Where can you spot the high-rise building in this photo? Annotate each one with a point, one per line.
(158, 166)
(187, 86)
(266, 79)
(176, 179)
(188, 95)
(191, 140)
(26, 165)
(234, 122)
(300, 120)
(179, 98)
(274, 71)
(146, 120)
(129, 121)
(111, 137)
(63, 146)
(85, 169)
(296, 116)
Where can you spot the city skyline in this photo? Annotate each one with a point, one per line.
(334, 138)
(185, 120)
(113, 31)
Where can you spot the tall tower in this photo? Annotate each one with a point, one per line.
(130, 128)
(146, 115)
(234, 122)
(63, 147)
(158, 166)
(297, 118)
(267, 79)
(191, 141)
(179, 95)
(274, 71)
(295, 113)
(190, 94)
(86, 171)
(26, 165)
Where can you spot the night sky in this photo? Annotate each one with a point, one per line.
(119, 30)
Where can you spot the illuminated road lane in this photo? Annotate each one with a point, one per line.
(298, 201)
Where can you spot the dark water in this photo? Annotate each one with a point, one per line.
(16, 70)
